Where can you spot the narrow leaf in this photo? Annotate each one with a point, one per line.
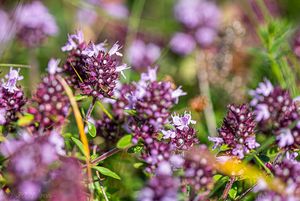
(106, 172)
(124, 142)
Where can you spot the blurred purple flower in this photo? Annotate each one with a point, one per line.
(182, 43)
(142, 55)
(86, 16)
(161, 187)
(34, 23)
(50, 104)
(6, 28)
(197, 171)
(205, 36)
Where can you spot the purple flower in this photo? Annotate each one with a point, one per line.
(91, 68)
(34, 23)
(273, 106)
(142, 55)
(187, 12)
(29, 190)
(182, 122)
(6, 28)
(151, 101)
(198, 173)
(205, 36)
(285, 137)
(86, 16)
(50, 103)
(11, 97)
(53, 66)
(216, 140)
(156, 152)
(237, 131)
(162, 186)
(199, 17)
(12, 79)
(182, 43)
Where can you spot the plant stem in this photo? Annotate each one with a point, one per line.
(228, 187)
(263, 165)
(202, 75)
(105, 155)
(245, 193)
(15, 65)
(34, 70)
(91, 107)
(101, 187)
(80, 125)
(105, 110)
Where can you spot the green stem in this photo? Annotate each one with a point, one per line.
(15, 65)
(260, 162)
(105, 110)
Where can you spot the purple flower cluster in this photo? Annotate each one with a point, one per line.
(182, 136)
(50, 103)
(198, 173)
(288, 172)
(111, 130)
(155, 153)
(142, 55)
(151, 102)
(11, 97)
(37, 165)
(162, 186)
(275, 110)
(91, 68)
(237, 131)
(200, 19)
(34, 24)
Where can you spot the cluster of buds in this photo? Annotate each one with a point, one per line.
(50, 103)
(275, 110)
(162, 186)
(182, 136)
(198, 173)
(91, 68)
(156, 152)
(34, 24)
(110, 129)
(151, 102)
(201, 20)
(237, 131)
(11, 97)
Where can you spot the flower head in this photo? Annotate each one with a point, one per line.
(34, 24)
(237, 131)
(91, 68)
(162, 186)
(12, 97)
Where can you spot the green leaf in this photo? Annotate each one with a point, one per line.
(78, 144)
(92, 129)
(130, 112)
(107, 172)
(80, 97)
(25, 120)
(233, 192)
(138, 165)
(124, 142)
(135, 149)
